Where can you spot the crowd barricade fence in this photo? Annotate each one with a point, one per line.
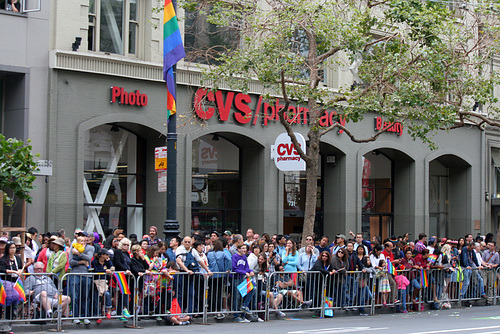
(92, 295)
(17, 310)
(160, 295)
(293, 291)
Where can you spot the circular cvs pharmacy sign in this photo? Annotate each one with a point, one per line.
(286, 158)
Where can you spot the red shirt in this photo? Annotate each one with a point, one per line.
(388, 255)
(420, 261)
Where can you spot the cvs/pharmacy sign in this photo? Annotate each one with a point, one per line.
(286, 157)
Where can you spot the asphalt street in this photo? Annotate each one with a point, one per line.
(478, 319)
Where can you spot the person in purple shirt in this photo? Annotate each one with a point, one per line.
(242, 271)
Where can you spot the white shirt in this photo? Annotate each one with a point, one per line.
(375, 261)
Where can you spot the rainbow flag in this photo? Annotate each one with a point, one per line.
(423, 278)
(173, 51)
(122, 283)
(20, 289)
(432, 258)
(245, 287)
(3, 294)
(390, 268)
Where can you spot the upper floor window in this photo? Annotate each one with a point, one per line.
(113, 26)
(20, 6)
(204, 41)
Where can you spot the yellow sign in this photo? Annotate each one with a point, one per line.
(160, 158)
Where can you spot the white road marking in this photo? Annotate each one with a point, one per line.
(473, 329)
(338, 330)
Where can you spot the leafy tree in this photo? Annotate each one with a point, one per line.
(17, 166)
(426, 64)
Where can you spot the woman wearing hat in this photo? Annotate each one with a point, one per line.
(153, 239)
(102, 265)
(57, 261)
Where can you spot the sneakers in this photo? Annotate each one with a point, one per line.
(280, 314)
(123, 319)
(126, 314)
(246, 310)
(219, 316)
(306, 304)
(184, 323)
(86, 321)
(159, 319)
(241, 320)
(113, 312)
(260, 320)
(98, 321)
(108, 316)
(76, 322)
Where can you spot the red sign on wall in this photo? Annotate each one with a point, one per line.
(133, 98)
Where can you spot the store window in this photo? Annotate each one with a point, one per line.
(377, 195)
(204, 41)
(216, 185)
(114, 178)
(113, 26)
(294, 202)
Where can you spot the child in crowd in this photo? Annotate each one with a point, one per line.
(78, 249)
(402, 283)
(384, 286)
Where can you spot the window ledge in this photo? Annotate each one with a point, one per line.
(9, 12)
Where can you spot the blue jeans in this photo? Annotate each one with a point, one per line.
(97, 302)
(237, 295)
(78, 289)
(465, 285)
(402, 298)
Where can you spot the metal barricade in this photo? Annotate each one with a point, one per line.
(160, 296)
(472, 285)
(293, 291)
(98, 296)
(31, 298)
(348, 291)
(80, 296)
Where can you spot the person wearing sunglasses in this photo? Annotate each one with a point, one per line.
(340, 263)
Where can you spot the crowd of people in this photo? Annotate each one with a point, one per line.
(228, 261)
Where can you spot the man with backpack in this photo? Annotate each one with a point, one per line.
(190, 263)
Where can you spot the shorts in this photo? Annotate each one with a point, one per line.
(53, 301)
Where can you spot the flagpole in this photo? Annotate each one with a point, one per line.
(171, 224)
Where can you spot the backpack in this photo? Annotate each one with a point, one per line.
(191, 263)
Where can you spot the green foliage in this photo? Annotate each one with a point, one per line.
(422, 63)
(17, 166)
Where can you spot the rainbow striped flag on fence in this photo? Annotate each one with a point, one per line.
(173, 51)
(20, 289)
(423, 278)
(390, 268)
(122, 283)
(3, 294)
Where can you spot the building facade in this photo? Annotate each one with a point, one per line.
(103, 115)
